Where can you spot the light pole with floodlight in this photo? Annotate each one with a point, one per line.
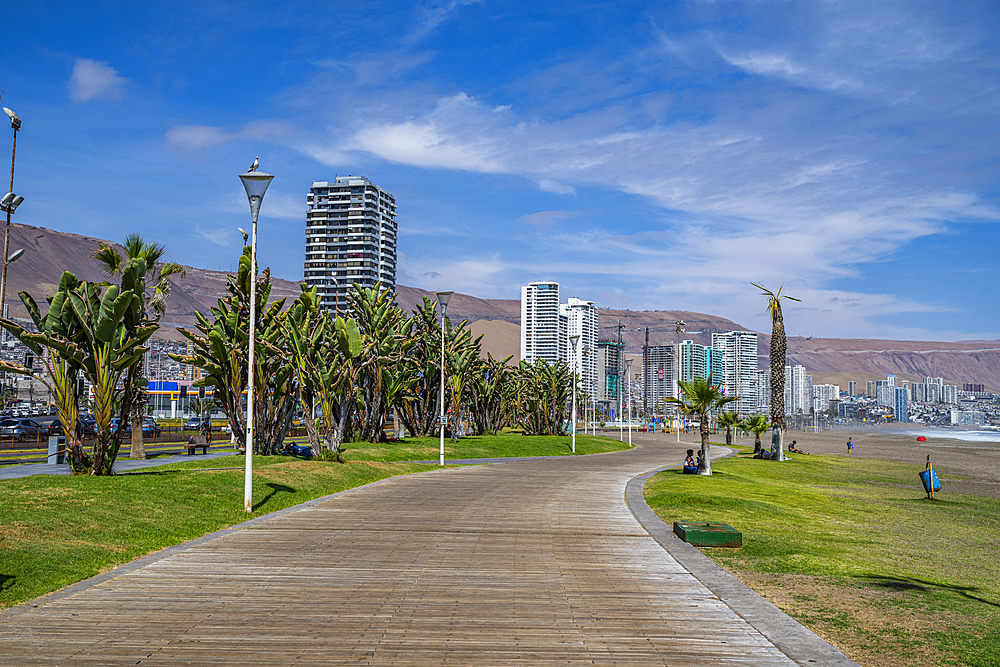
(628, 380)
(10, 203)
(443, 299)
(574, 339)
(255, 182)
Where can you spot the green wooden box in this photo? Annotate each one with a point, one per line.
(708, 533)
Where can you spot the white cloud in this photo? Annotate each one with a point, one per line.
(219, 236)
(92, 80)
(196, 137)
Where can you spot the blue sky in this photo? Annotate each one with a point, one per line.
(645, 155)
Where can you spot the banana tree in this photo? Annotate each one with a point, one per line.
(97, 331)
(221, 348)
(157, 281)
(324, 353)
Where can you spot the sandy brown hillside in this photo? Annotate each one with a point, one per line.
(48, 252)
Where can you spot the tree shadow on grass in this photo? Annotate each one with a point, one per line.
(6, 581)
(275, 489)
(912, 584)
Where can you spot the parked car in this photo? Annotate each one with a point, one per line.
(193, 424)
(55, 428)
(20, 429)
(149, 426)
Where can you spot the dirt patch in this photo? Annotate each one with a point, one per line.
(875, 626)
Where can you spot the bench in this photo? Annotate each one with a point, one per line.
(196, 441)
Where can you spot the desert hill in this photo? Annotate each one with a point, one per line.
(837, 360)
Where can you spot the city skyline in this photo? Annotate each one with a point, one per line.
(648, 157)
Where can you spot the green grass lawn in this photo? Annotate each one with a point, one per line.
(507, 443)
(852, 549)
(57, 530)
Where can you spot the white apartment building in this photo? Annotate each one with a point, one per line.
(737, 352)
(798, 391)
(543, 326)
(823, 394)
(350, 238)
(581, 320)
(764, 392)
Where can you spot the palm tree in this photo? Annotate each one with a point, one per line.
(699, 398)
(158, 274)
(728, 421)
(779, 347)
(757, 424)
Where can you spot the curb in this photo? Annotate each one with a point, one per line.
(801, 645)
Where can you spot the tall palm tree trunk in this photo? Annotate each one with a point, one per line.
(779, 348)
(705, 465)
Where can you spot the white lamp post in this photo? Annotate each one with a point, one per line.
(628, 379)
(574, 340)
(256, 183)
(10, 204)
(443, 299)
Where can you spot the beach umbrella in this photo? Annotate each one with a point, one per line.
(921, 439)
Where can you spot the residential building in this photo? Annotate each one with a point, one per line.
(949, 394)
(798, 391)
(870, 393)
(543, 326)
(852, 388)
(581, 320)
(899, 406)
(763, 391)
(350, 238)
(738, 368)
(658, 375)
(967, 417)
(847, 410)
(609, 368)
(823, 394)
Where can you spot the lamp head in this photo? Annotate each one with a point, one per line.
(16, 255)
(10, 202)
(574, 339)
(15, 121)
(444, 298)
(245, 235)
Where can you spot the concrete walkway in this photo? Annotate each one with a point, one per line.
(537, 562)
(123, 464)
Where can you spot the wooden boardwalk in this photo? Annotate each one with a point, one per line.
(523, 563)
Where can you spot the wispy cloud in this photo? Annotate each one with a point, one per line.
(196, 137)
(93, 80)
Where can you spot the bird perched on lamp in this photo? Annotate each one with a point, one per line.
(253, 167)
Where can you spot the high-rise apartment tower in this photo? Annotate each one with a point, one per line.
(543, 326)
(738, 368)
(350, 238)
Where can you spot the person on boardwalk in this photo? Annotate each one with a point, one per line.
(850, 446)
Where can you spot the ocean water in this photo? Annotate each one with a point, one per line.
(955, 434)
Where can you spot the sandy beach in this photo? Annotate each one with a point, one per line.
(976, 461)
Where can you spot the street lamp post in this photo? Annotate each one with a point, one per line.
(628, 378)
(574, 340)
(255, 182)
(11, 202)
(443, 299)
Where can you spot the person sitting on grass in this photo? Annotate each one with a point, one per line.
(793, 448)
(690, 464)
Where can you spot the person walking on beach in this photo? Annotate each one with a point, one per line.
(850, 445)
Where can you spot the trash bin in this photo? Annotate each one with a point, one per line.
(930, 480)
(57, 449)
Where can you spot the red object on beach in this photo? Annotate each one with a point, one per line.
(921, 439)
